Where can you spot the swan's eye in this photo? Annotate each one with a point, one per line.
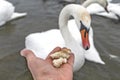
(84, 30)
(84, 27)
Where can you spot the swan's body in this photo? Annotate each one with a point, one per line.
(7, 12)
(42, 43)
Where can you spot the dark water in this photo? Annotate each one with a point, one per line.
(42, 16)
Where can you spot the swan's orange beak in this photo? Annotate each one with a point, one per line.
(85, 39)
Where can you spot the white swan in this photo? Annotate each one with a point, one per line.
(53, 38)
(113, 10)
(7, 12)
(32, 42)
(94, 6)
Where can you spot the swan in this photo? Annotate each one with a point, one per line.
(45, 38)
(112, 10)
(93, 6)
(40, 42)
(102, 3)
(7, 12)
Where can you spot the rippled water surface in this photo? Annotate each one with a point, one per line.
(42, 16)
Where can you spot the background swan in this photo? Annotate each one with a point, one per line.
(93, 6)
(40, 42)
(7, 12)
(113, 10)
(105, 8)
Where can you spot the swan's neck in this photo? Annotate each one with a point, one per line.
(63, 24)
(70, 42)
(88, 2)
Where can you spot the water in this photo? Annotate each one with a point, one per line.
(42, 16)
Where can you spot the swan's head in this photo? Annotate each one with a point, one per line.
(82, 19)
(103, 3)
(84, 27)
(84, 30)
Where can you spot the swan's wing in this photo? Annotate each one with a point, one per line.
(43, 43)
(6, 11)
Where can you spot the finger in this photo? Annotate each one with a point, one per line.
(64, 48)
(49, 59)
(53, 51)
(28, 54)
(71, 59)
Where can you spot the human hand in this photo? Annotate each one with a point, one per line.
(44, 70)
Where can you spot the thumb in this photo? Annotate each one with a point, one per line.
(28, 54)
